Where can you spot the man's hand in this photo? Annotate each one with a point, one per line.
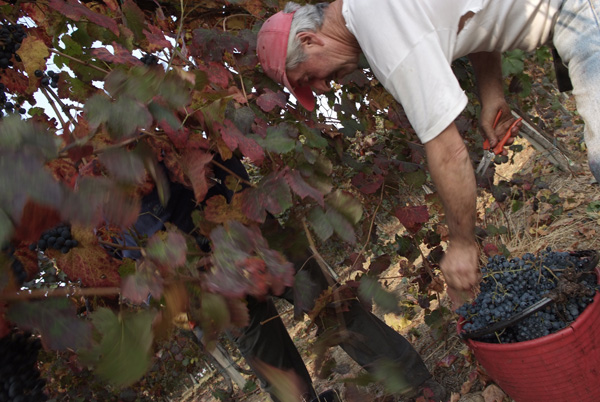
(460, 267)
(488, 71)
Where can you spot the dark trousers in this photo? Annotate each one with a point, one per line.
(368, 339)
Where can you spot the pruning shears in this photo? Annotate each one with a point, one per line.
(489, 154)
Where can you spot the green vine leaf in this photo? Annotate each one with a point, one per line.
(122, 355)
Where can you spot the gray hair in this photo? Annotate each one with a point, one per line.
(308, 18)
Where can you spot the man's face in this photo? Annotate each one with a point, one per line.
(323, 65)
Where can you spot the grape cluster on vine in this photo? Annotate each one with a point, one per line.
(48, 79)
(59, 238)
(11, 37)
(149, 59)
(19, 375)
(510, 286)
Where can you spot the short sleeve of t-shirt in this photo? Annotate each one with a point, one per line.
(411, 58)
(425, 85)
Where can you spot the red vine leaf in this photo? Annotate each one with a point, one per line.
(14, 81)
(217, 74)
(270, 99)
(89, 262)
(380, 264)
(196, 169)
(76, 11)
(156, 39)
(122, 208)
(29, 259)
(234, 138)
(367, 184)
(244, 264)
(120, 56)
(302, 188)
(412, 218)
(34, 220)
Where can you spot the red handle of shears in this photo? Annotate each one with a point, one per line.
(498, 148)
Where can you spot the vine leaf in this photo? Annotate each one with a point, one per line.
(367, 184)
(120, 56)
(211, 44)
(380, 264)
(168, 121)
(122, 355)
(16, 82)
(280, 139)
(341, 213)
(167, 249)
(412, 218)
(272, 195)
(320, 224)
(301, 187)
(88, 262)
(195, 165)
(156, 39)
(244, 264)
(138, 286)
(76, 11)
(134, 19)
(234, 138)
(33, 53)
(270, 99)
(218, 210)
(35, 218)
(212, 315)
(371, 289)
(55, 319)
(124, 165)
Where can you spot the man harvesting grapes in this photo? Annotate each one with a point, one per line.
(409, 46)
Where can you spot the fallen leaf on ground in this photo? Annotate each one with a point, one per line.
(493, 393)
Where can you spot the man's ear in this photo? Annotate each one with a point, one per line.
(310, 38)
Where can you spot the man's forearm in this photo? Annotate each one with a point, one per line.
(488, 72)
(453, 175)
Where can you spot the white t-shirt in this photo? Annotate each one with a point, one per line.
(410, 45)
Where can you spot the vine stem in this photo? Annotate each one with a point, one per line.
(64, 107)
(60, 292)
(85, 63)
(370, 227)
(221, 166)
(118, 246)
(58, 114)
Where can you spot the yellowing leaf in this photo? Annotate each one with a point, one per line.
(33, 52)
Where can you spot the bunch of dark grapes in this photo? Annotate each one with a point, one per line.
(510, 286)
(48, 79)
(58, 238)
(11, 36)
(19, 375)
(149, 59)
(16, 265)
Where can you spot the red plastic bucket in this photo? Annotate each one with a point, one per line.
(560, 367)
